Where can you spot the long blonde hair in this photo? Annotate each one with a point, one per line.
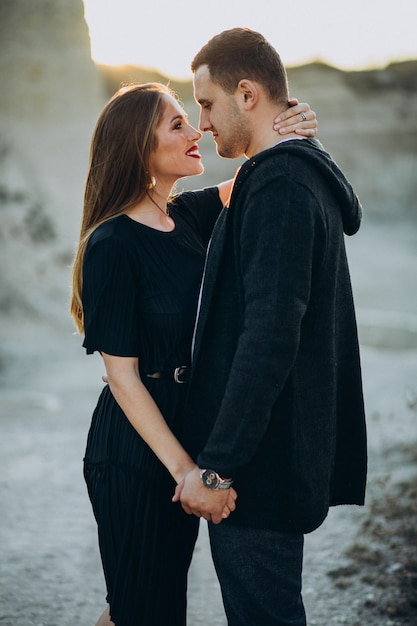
(118, 176)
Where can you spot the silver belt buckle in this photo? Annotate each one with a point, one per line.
(177, 373)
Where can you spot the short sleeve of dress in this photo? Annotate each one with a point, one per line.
(110, 297)
(200, 209)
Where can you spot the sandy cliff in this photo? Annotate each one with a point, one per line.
(50, 96)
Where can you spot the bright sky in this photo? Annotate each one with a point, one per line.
(165, 34)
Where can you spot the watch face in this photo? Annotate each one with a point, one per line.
(210, 479)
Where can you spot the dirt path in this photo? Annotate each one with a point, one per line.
(360, 566)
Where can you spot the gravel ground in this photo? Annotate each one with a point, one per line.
(360, 566)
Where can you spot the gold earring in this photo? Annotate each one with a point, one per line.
(152, 184)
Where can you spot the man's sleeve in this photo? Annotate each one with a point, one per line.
(279, 223)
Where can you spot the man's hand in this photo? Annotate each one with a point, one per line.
(214, 505)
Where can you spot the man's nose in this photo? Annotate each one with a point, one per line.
(204, 123)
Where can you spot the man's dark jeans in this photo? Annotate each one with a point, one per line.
(260, 575)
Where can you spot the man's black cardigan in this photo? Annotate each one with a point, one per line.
(275, 399)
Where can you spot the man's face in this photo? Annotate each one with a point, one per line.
(220, 114)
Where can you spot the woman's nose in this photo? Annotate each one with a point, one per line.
(196, 134)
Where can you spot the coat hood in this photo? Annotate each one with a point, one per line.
(312, 150)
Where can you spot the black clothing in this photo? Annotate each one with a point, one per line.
(140, 291)
(275, 397)
(260, 574)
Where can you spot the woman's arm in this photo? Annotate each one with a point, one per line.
(298, 118)
(224, 190)
(137, 404)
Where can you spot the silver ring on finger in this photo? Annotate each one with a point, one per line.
(303, 116)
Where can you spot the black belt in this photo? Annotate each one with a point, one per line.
(179, 374)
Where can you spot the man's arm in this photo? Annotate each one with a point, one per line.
(214, 505)
(278, 231)
(277, 236)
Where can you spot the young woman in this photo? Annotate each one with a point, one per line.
(136, 279)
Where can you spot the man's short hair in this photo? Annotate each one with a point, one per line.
(243, 53)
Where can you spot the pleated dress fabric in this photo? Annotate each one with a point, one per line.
(140, 292)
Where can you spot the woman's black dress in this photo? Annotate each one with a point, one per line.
(140, 292)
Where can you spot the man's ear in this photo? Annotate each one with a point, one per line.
(249, 93)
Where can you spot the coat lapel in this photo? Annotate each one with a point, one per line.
(211, 270)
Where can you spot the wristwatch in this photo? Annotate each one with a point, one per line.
(212, 480)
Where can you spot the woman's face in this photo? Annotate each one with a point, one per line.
(177, 153)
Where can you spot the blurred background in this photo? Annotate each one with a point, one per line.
(60, 60)
(52, 91)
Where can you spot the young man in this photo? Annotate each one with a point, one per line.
(275, 400)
